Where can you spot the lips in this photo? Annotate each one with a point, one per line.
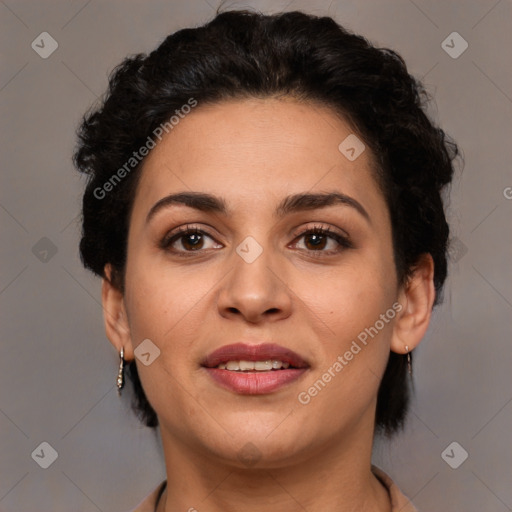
(243, 352)
(252, 381)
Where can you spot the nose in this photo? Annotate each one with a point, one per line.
(255, 291)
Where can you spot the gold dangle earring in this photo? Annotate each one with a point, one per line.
(120, 373)
(409, 365)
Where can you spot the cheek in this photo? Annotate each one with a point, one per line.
(355, 302)
(362, 324)
(164, 308)
(160, 300)
(353, 297)
(360, 315)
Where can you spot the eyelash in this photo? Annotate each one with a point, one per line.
(343, 241)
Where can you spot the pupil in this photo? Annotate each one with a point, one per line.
(319, 240)
(196, 239)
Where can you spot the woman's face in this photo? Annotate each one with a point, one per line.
(253, 275)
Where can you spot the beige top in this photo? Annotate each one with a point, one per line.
(399, 502)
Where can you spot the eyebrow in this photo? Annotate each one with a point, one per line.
(294, 203)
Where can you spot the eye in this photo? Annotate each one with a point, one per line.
(186, 239)
(318, 238)
(189, 239)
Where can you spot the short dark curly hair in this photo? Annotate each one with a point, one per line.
(243, 54)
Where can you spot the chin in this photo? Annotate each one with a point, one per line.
(260, 444)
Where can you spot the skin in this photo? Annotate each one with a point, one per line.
(313, 300)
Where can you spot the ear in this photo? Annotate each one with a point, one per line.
(417, 300)
(114, 315)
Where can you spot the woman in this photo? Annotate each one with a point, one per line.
(264, 207)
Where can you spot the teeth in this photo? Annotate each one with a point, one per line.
(259, 366)
(263, 365)
(246, 365)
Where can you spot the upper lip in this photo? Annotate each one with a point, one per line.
(245, 352)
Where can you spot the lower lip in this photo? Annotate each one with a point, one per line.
(254, 383)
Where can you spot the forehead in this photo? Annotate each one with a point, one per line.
(255, 150)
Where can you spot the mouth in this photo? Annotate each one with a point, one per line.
(254, 369)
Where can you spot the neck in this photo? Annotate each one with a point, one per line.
(336, 477)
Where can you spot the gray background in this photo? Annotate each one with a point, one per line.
(57, 368)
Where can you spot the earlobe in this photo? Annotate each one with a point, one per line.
(417, 299)
(114, 315)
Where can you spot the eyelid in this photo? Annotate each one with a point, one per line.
(325, 230)
(182, 230)
(343, 239)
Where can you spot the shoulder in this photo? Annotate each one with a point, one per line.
(399, 502)
(149, 502)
